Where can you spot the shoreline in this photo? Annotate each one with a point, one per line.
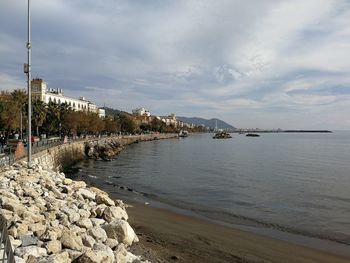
(167, 243)
(167, 236)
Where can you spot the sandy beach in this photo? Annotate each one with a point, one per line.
(166, 236)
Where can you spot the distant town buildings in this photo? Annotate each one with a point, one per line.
(141, 112)
(41, 92)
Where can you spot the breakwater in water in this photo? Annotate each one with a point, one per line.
(50, 218)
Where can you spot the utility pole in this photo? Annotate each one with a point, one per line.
(27, 70)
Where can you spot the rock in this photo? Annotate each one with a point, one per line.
(97, 221)
(123, 256)
(67, 181)
(15, 243)
(12, 205)
(19, 260)
(98, 210)
(112, 212)
(88, 240)
(120, 203)
(73, 254)
(73, 217)
(31, 192)
(54, 223)
(25, 252)
(12, 232)
(122, 231)
(31, 217)
(85, 222)
(51, 216)
(62, 257)
(84, 213)
(66, 190)
(112, 243)
(71, 240)
(100, 254)
(104, 199)
(86, 194)
(7, 214)
(56, 192)
(53, 233)
(22, 229)
(38, 229)
(65, 221)
(98, 233)
(78, 184)
(53, 247)
(28, 240)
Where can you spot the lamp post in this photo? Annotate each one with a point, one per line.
(27, 70)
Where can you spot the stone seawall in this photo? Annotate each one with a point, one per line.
(53, 219)
(66, 154)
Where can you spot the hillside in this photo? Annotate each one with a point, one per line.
(111, 112)
(209, 123)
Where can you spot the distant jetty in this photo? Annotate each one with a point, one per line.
(319, 131)
(278, 130)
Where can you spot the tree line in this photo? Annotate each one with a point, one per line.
(59, 119)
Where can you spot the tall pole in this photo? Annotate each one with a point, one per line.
(29, 141)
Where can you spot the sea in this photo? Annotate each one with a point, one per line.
(292, 186)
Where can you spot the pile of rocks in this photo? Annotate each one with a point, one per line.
(51, 218)
(103, 149)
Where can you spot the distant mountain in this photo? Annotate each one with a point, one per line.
(209, 123)
(111, 112)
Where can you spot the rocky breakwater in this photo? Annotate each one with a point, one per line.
(103, 149)
(108, 147)
(54, 219)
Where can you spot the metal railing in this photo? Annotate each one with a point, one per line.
(45, 144)
(6, 252)
(7, 156)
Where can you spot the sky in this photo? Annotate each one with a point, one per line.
(262, 63)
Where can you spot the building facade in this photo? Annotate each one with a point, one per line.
(141, 112)
(41, 92)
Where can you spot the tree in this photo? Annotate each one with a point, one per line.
(110, 125)
(17, 109)
(51, 123)
(95, 123)
(5, 98)
(157, 125)
(145, 127)
(39, 114)
(64, 110)
(127, 124)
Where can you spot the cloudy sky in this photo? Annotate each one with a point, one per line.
(259, 63)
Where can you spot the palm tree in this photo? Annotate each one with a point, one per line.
(64, 110)
(39, 114)
(52, 118)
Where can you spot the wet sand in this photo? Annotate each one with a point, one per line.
(166, 236)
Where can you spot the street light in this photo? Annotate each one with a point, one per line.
(27, 70)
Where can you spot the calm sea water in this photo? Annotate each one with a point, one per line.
(298, 183)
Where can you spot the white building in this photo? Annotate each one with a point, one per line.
(141, 112)
(41, 92)
(170, 120)
(101, 112)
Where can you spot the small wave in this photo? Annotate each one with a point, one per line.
(230, 218)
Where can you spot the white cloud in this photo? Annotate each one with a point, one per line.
(210, 58)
